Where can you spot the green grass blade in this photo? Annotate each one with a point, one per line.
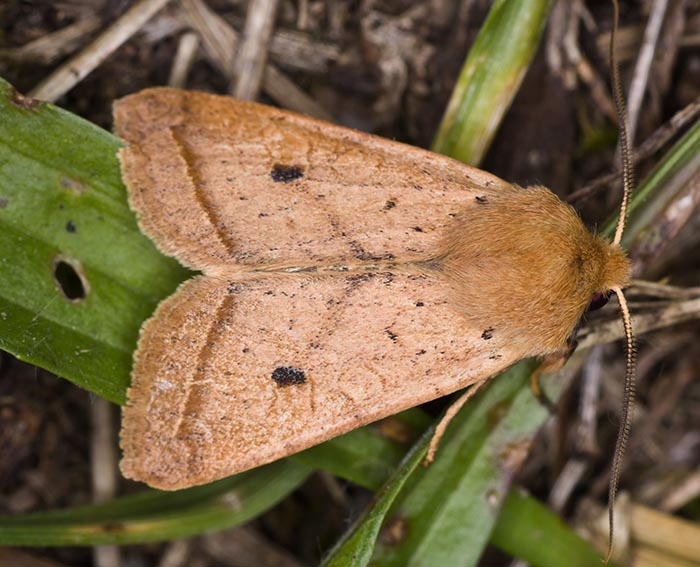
(451, 507)
(158, 516)
(530, 531)
(357, 545)
(671, 175)
(365, 456)
(361, 456)
(490, 78)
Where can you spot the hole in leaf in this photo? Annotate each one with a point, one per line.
(70, 279)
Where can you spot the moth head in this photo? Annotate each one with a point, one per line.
(616, 271)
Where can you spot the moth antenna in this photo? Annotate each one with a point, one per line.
(628, 187)
(626, 417)
(625, 155)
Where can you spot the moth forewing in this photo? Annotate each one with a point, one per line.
(345, 278)
(222, 183)
(232, 375)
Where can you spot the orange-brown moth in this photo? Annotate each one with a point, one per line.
(344, 278)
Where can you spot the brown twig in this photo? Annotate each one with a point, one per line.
(664, 316)
(77, 68)
(221, 42)
(51, 47)
(184, 57)
(585, 440)
(104, 470)
(248, 69)
(642, 69)
(650, 146)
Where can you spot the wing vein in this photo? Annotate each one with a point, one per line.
(215, 328)
(209, 208)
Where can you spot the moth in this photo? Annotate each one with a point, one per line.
(343, 278)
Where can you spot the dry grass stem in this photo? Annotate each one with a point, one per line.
(221, 42)
(661, 317)
(184, 58)
(252, 52)
(642, 69)
(51, 47)
(77, 68)
(104, 470)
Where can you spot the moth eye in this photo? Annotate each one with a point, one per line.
(597, 301)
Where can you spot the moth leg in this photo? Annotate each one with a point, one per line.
(552, 363)
(447, 418)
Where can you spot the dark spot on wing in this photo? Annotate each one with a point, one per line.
(482, 200)
(487, 334)
(286, 173)
(288, 376)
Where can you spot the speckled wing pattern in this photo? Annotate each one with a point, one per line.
(315, 313)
